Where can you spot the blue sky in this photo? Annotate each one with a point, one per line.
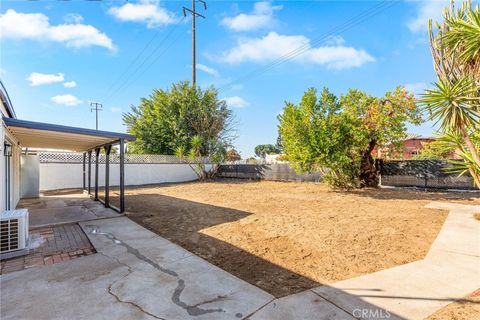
(57, 56)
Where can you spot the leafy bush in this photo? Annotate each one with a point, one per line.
(337, 135)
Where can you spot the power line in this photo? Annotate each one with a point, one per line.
(367, 14)
(128, 79)
(157, 57)
(137, 57)
(302, 49)
(134, 60)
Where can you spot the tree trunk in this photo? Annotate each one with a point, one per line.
(368, 171)
(472, 148)
(476, 178)
(476, 158)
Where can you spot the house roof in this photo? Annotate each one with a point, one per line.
(46, 135)
(6, 101)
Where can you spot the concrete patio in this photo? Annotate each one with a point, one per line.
(139, 275)
(56, 209)
(134, 275)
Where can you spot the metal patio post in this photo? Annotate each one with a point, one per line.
(97, 153)
(122, 175)
(89, 172)
(84, 173)
(107, 175)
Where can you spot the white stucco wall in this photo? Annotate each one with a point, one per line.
(69, 175)
(6, 136)
(3, 204)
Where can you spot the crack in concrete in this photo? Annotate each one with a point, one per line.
(110, 289)
(193, 310)
(131, 250)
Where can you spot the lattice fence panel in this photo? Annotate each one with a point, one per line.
(54, 157)
(71, 157)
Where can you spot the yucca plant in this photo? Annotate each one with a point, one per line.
(462, 36)
(197, 162)
(467, 164)
(455, 43)
(454, 103)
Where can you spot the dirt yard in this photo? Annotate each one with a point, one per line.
(463, 310)
(288, 237)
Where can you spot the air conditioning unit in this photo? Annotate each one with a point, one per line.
(13, 230)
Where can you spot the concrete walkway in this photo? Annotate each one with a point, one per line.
(139, 275)
(135, 275)
(449, 272)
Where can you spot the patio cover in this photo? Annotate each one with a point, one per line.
(44, 135)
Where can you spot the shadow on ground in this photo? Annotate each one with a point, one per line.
(417, 194)
(180, 221)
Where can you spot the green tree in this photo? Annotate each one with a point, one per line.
(337, 135)
(454, 102)
(170, 119)
(263, 149)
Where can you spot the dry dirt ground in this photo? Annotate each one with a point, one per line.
(288, 237)
(465, 310)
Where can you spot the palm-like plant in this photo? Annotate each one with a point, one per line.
(456, 44)
(454, 141)
(463, 37)
(197, 162)
(454, 103)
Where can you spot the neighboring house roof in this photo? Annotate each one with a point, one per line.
(6, 101)
(412, 136)
(415, 136)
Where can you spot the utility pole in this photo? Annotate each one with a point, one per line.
(194, 15)
(97, 107)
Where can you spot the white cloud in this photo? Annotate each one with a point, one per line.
(115, 109)
(37, 79)
(416, 88)
(338, 57)
(36, 26)
(261, 17)
(207, 69)
(146, 11)
(70, 84)
(2, 72)
(430, 9)
(335, 41)
(274, 46)
(73, 18)
(67, 99)
(236, 102)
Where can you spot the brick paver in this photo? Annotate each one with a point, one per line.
(56, 244)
